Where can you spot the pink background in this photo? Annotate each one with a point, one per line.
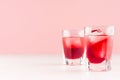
(34, 26)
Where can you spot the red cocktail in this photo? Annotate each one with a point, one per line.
(99, 49)
(73, 46)
(99, 43)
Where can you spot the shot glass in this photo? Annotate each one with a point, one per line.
(99, 43)
(73, 46)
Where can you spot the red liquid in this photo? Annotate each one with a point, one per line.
(99, 49)
(73, 47)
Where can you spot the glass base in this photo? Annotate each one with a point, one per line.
(97, 67)
(74, 61)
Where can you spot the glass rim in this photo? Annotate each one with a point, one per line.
(106, 30)
(73, 33)
(71, 30)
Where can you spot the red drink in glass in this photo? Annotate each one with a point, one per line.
(73, 47)
(99, 49)
(99, 43)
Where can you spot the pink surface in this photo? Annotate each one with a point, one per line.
(34, 26)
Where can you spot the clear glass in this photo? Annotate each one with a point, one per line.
(99, 43)
(73, 46)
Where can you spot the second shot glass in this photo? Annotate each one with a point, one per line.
(99, 43)
(73, 46)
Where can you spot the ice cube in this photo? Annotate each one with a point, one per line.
(67, 41)
(72, 41)
(76, 42)
(96, 39)
(110, 30)
(81, 33)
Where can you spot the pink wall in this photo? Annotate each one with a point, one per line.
(34, 26)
